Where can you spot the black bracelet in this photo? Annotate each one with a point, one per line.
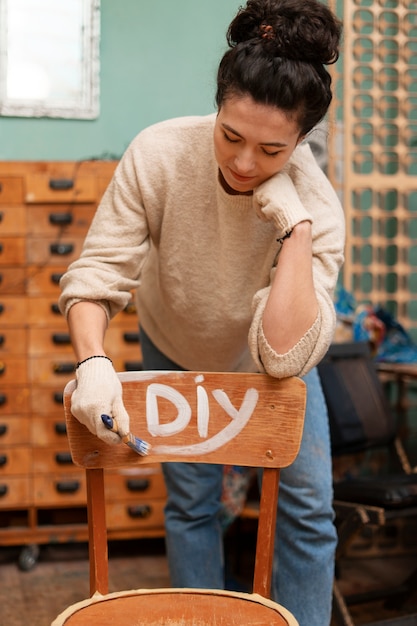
(97, 356)
(286, 236)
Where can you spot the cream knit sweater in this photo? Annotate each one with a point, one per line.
(200, 259)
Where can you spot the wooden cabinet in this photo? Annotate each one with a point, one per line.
(45, 211)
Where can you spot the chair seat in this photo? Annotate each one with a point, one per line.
(178, 607)
(390, 492)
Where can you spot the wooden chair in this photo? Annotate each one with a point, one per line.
(225, 418)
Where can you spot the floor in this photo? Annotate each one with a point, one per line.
(364, 575)
(60, 578)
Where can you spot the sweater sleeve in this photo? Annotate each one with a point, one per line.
(328, 231)
(115, 247)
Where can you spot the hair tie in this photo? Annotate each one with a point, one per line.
(267, 31)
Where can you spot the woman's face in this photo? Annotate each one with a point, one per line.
(252, 142)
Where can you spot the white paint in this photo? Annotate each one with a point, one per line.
(224, 401)
(239, 420)
(152, 412)
(203, 412)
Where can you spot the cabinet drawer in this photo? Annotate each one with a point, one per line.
(105, 176)
(146, 483)
(55, 460)
(53, 370)
(13, 431)
(121, 341)
(12, 281)
(13, 341)
(49, 431)
(14, 400)
(53, 251)
(13, 311)
(15, 491)
(11, 190)
(12, 220)
(13, 371)
(53, 220)
(44, 341)
(131, 363)
(44, 188)
(60, 489)
(15, 461)
(12, 251)
(58, 368)
(44, 280)
(146, 514)
(118, 342)
(45, 312)
(47, 401)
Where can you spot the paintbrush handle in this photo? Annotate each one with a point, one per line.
(110, 423)
(138, 445)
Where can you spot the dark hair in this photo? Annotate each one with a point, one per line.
(278, 49)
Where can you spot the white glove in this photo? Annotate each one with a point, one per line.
(277, 200)
(98, 392)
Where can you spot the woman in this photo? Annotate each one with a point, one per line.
(233, 238)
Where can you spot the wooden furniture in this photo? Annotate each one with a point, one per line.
(361, 420)
(247, 419)
(45, 210)
(373, 153)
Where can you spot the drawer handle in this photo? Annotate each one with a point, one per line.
(55, 278)
(60, 219)
(140, 512)
(55, 309)
(61, 428)
(138, 484)
(2, 339)
(3, 490)
(3, 399)
(1, 248)
(63, 458)
(68, 486)
(3, 429)
(62, 249)
(1, 212)
(131, 337)
(61, 184)
(3, 460)
(61, 338)
(63, 368)
(1, 308)
(2, 368)
(133, 366)
(58, 397)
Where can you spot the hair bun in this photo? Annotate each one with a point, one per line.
(304, 30)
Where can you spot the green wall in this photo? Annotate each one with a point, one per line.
(158, 60)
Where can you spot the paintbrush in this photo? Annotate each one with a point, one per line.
(138, 445)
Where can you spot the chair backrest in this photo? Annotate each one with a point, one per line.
(359, 412)
(225, 418)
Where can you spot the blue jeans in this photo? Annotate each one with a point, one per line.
(305, 537)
